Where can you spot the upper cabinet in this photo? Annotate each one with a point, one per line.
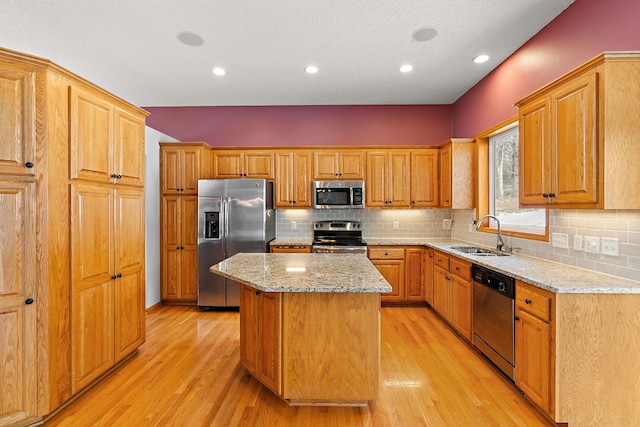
(243, 164)
(104, 140)
(388, 178)
(181, 165)
(293, 179)
(424, 178)
(578, 137)
(332, 165)
(17, 118)
(456, 166)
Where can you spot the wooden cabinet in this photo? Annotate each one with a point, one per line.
(243, 164)
(388, 178)
(389, 261)
(18, 302)
(415, 260)
(534, 345)
(424, 178)
(577, 137)
(17, 118)
(261, 335)
(293, 180)
(335, 164)
(104, 140)
(299, 249)
(428, 276)
(452, 292)
(179, 243)
(63, 140)
(107, 279)
(182, 165)
(456, 166)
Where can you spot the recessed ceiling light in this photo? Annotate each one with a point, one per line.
(219, 71)
(424, 34)
(190, 39)
(311, 69)
(406, 68)
(480, 59)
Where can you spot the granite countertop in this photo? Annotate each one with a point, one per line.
(303, 272)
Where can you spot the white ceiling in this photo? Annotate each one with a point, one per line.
(130, 48)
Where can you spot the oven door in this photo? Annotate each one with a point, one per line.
(326, 249)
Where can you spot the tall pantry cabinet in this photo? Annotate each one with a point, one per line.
(72, 209)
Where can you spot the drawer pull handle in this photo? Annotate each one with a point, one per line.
(457, 268)
(527, 301)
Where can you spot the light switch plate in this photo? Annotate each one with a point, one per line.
(577, 242)
(609, 246)
(560, 240)
(592, 244)
(395, 225)
(294, 225)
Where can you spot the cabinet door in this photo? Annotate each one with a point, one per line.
(258, 165)
(533, 359)
(325, 165)
(424, 178)
(189, 248)
(351, 165)
(535, 153)
(376, 179)
(284, 180)
(190, 167)
(17, 119)
(129, 148)
(92, 283)
(428, 277)
(171, 272)
(269, 361)
(228, 164)
(18, 340)
(441, 292)
(249, 330)
(415, 278)
(398, 179)
(444, 160)
(170, 170)
(460, 314)
(302, 194)
(129, 267)
(574, 122)
(393, 271)
(91, 137)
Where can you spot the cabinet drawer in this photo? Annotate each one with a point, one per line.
(386, 253)
(441, 260)
(460, 268)
(536, 302)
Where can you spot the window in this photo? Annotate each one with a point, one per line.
(498, 185)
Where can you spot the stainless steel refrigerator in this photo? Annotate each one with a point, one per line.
(234, 215)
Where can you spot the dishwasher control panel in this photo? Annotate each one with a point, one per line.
(492, 279)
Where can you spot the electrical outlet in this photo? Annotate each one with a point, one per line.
(592, 244)
(395, 225)
(577, 242)
(609, 246)
(560, 240)
(294, 225)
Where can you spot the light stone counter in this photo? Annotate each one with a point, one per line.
(303, 272)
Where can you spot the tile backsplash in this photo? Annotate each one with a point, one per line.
(623, 225)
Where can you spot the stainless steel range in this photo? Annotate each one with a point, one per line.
(338, 237)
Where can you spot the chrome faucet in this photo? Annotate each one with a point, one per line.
(500, 242)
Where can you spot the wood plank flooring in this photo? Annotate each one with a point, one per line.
(188, 373)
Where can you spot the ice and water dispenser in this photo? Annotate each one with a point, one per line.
(212, 225)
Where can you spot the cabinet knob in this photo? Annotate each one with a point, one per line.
(113, 277)
(29, 164)
(552, 195)
(119, 176)
(113, 175)
(119, 275)
(527, 301)
(29, 301)
(516, 318)
(457, 268)
(258, 292)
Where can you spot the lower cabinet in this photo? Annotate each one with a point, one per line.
(452, 292)
(534, 345)
(428, 276)
(404, 268)
(260, 335)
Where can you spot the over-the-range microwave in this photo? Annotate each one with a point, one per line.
(338, 194)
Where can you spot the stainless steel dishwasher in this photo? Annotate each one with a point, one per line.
(493, 317)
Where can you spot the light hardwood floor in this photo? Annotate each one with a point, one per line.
(188, 373)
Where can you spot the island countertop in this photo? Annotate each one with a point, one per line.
(292, 272)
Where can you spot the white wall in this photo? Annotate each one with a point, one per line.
(152, 212)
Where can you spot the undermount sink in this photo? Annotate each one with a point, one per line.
(475, 250)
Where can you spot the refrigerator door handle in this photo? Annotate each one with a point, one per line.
(225, 214)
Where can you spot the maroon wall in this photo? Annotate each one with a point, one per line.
(583, 31)
(427, 125)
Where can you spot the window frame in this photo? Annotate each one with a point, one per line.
(483, 174)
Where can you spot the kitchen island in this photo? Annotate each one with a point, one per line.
(310, 324)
